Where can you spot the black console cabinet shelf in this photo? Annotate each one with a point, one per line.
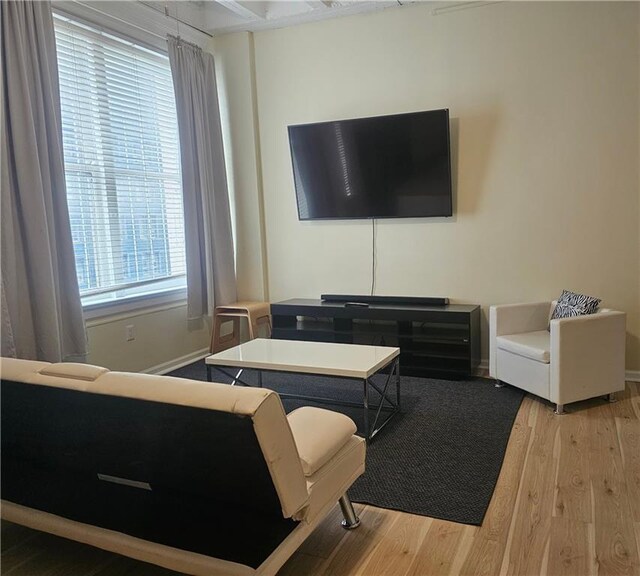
(433, 340)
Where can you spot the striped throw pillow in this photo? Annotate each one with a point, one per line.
(571, 304)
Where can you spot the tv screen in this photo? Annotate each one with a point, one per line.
(394, 166)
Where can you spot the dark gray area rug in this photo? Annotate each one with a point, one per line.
(439, 457)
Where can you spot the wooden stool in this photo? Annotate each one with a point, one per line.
(256, 313)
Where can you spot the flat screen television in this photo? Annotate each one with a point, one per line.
(395, 166)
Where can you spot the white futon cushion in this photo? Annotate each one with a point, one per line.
(534, 345)
(74, 371)
(319, 434)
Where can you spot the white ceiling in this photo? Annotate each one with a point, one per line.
(197, 21)
(222, 16)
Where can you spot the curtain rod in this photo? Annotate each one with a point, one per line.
(455, 6)
(95, 9)
(90, 7)
(164, 13)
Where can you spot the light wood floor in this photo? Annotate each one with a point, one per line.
(567, 502)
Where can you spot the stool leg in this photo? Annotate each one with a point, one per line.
(236, 332)
(266, 322)
(218, 342)
(215, 334)
(256, 322)
(253, 329)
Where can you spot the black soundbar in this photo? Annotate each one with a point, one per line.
(409, 300)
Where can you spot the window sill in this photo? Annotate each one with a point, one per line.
(133, 305)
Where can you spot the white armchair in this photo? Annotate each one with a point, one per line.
(578, 358)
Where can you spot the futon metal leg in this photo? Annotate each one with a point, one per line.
(612, 397)
(499, 383)
(350, 521)
(559, 409)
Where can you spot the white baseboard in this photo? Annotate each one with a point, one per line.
(176, 363)
(483, 369)
(632, 375)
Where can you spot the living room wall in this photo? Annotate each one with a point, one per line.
(164, 338)
(544, 103)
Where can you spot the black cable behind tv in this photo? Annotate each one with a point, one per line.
(408, 300)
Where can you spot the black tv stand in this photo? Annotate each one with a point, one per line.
(442, 341)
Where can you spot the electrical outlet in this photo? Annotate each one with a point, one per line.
(129, 332)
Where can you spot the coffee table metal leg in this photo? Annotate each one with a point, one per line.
(370, 428)
(234, 378)
(366, 408)
(398, 383)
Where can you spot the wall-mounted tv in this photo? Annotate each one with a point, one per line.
(395, 166)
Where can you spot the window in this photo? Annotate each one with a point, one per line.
(122, 164)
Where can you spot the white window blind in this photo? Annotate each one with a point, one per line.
(122, 163)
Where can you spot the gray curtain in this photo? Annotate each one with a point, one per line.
(211, 279)
(41, 308)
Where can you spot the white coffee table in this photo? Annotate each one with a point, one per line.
(349, 361)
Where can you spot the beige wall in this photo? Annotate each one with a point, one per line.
(544, 104)
(162, 336)
(234, 54)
